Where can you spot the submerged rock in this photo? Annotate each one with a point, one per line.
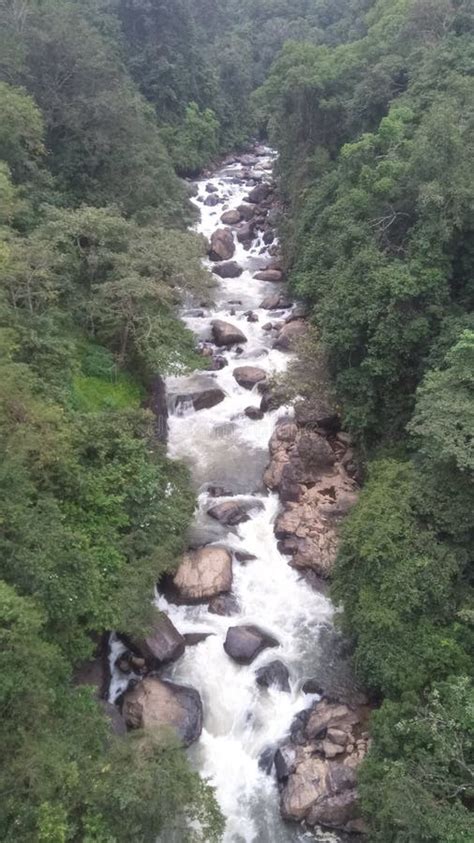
(276, 674)
(245, 643)
(154, 703)
(230, 269)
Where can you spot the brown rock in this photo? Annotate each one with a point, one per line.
(203, 574)
(249, 376)
(245, 643)
(225, 334)
(230, 269)
(155, 704)
(290, 334)
(231, 217)
(222, 245)
(273, 275)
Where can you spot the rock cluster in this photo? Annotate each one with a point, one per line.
(310, 467)
(317, 767)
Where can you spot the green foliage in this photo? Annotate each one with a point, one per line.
(195, 141)
(417, 782)
(397, 583)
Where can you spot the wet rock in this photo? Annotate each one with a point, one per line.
(203, 400)
(249, 376)
(273, 275)
(267, 327)
(201, 575)
(259, 194)
(248, 160)
(212, 200)
(245, 232)
(290, 334)
(265, 761)
(272, 398)
(232, 217)
(243, 557)
(252, 317)
(211, 188)
(154, 704)
(253, 413)
(247, 212)
(273, 674)
(218, 363)
(233, 512)
(222, 245)
(316, 413)
(284, 762)
(300, 311)
(163, 644)
(225, 334)
(312, 686)
(268, 237)
(230, 269)
(191, 639)
(157, 403)
(224, 605)
(275, 301)
(245, 643)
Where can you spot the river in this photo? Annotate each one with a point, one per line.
(225, 448)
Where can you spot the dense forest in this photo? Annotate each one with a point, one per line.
(106, 106)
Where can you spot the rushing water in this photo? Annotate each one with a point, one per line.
(225, 448)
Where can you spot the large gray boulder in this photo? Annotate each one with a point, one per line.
(157, 704)
(231, 217)
(201, 575)
(225, 334)
(245, 643)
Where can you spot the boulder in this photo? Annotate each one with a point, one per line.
(243, 557)
(244, 643)
(222, 245)
(249, 376)
(253, 413)
(273, 674)
(273, 275)
(233, 512)
(163, 644)
(275, 301)
(225, 334)
(245, 232)
(316, 413)
(218, 362)
(212, 200)
(224, 605)
(268, 237)
(251, 317)
(211, 188)
(290, 334)
(300, 311)
(154, 703)
(230, 269)
(202, 574)
(247, 212)
(191, 639)
(203, 400)
(231, 217)
(259, 194)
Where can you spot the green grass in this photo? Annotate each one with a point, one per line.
(93, 394)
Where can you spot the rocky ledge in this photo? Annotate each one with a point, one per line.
(312, 468)
(317, 767)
